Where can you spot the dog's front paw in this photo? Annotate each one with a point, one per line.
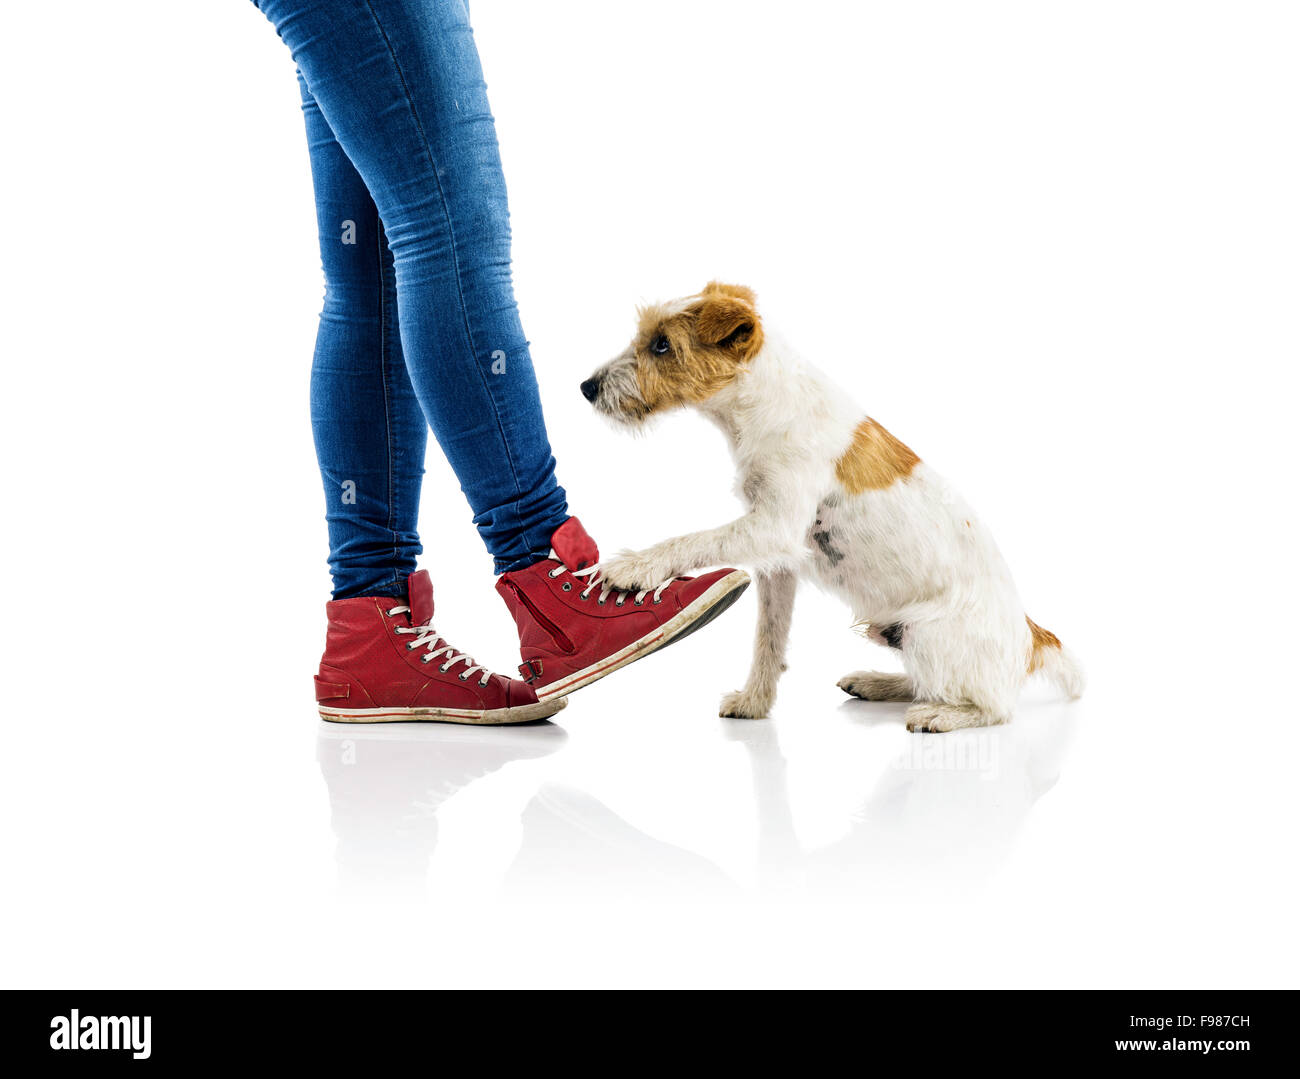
(632, 571)
(875, 686)
(743, 704)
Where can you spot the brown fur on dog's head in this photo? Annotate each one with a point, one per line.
(683, 353)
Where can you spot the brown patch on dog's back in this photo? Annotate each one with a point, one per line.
(874, 460)
(1042, 638)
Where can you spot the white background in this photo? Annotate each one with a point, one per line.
(1052, 246)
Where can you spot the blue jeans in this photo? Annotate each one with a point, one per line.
(419, 322)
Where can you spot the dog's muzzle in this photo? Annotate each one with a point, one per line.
(614, 392)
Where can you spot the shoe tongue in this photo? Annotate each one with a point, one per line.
(573, 546)
(419, 586)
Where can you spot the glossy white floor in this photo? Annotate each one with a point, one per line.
(1141, 836)
(1053, 252)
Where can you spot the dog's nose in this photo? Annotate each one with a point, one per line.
(590, 388)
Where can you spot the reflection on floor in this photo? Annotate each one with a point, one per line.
(570, 835)
(949, 804)
(387, 782)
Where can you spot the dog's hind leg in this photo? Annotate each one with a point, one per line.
(966, 672)
(876, 686)
(932, 716)
(775, 606)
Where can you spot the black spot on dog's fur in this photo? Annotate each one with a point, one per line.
(823, 541)
(893, 635)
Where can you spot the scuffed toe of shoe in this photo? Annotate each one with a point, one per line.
(692, 588)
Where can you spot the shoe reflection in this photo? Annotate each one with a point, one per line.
(572, 837)
(388, 781)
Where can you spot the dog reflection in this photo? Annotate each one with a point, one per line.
(948, 809)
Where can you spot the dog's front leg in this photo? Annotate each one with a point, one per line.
(775, 606)
(761, 540)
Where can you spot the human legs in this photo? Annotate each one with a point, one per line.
(368, 427)
(400, 87)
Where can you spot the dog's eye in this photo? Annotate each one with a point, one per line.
(660, 346)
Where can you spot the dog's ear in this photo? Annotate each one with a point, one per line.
(741, 292)
(727, 320)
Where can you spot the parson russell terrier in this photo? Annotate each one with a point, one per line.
(831, 495)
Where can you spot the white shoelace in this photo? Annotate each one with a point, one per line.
(594, 573)
(428, 637)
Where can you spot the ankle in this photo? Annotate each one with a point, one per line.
(395, 590)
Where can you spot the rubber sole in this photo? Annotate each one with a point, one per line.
(721, 595)
(493, 717)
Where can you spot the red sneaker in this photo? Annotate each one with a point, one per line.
(573, 630)
(384, 663)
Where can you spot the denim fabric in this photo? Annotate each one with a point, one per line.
(419, 322)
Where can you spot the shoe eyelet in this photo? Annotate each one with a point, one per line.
(425, 659)
(552, 574)
(583, 596)
(463, 677)
(483, 684)
(410, 646)
(444, 668)
(567, 586)
(619, 602)
(600, 603)
(638, 602)
(658, 601)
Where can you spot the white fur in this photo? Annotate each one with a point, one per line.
(912, 554)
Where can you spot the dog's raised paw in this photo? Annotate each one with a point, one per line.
(874, 686)
(629, 571)
(741, 705)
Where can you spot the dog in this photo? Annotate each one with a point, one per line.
(833, 496)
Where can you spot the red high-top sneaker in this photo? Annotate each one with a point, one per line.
(384, 662)
(573, 630)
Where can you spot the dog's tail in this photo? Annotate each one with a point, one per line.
(1051, 658)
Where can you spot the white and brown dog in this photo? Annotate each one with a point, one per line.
(832, 495)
